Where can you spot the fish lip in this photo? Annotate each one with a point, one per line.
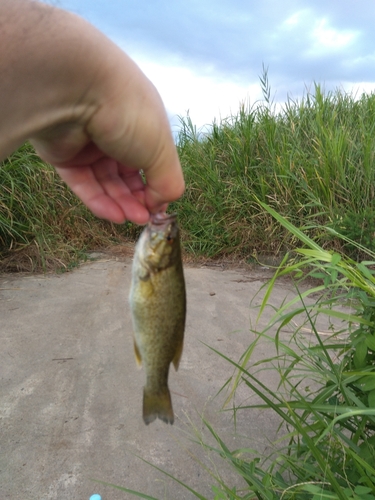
(161, 219)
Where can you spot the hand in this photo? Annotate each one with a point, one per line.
(110, 190)
(88, 110)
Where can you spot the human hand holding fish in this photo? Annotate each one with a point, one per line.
(89, 111)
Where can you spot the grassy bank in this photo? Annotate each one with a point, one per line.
(43, 225)
(311, 160)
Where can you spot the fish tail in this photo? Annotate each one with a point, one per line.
(157, 405)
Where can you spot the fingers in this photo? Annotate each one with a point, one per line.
(106, 193)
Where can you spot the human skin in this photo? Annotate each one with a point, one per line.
(88, 110)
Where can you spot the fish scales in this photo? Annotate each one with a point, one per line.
(158, 305)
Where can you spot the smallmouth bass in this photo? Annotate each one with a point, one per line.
(158, 305)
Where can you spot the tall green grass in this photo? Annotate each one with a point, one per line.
(312, 161)
(42, 224)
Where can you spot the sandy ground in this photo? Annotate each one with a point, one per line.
(71, 394)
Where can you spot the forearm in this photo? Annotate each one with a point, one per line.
(50, 63)
(34, 85)
(81, 100)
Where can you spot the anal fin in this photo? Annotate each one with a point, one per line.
(138, 356)
(178, 354)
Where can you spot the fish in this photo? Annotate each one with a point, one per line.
(158, 307)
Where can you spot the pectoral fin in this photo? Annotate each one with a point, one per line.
(178, 353)
(138, 356)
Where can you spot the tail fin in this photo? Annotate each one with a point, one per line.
(157, 405)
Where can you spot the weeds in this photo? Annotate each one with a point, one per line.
(329, 449)
(312, 161)
(42, 224)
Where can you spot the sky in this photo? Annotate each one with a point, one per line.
(205, 57)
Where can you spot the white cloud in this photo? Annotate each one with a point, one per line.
(295, 19)
(326, 38)
(358, 88)
(205, 95)
(206, 58)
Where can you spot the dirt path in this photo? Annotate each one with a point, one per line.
(70, 392)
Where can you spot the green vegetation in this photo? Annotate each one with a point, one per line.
(42, 224)
(328, 450)
(312, 161)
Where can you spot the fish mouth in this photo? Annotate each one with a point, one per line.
(161, 218)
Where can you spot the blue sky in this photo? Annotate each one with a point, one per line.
(206, 56)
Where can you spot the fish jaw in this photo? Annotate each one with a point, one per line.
(158, 245)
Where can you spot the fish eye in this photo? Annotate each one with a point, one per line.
(169, 239)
